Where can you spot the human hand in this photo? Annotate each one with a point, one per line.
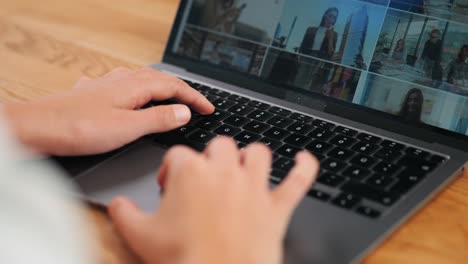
(217, 207)
(102, 114)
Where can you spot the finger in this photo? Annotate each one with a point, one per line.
(256, 159)
(163, 86)
(298, 182)
(130, 222)
(178, 158)
(223, 151)
(159, 119)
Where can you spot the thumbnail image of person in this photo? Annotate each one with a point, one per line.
(221, 15)
(399, 53)
(458, 71)
(285, 68)
(431, 56)
(411, 108)
(321, 41)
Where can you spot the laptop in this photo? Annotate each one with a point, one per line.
(376, 89)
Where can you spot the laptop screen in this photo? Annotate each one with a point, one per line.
(408, 58)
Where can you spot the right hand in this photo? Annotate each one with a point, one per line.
(217, 207)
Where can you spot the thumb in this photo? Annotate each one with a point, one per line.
(163, 118)
(130, 223)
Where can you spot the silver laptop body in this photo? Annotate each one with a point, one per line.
(320, 231)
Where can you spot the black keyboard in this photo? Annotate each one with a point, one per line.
(359, 172)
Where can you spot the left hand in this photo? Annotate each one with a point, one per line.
(217, 207)
(103, 114)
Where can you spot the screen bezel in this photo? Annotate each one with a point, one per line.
(333, 106)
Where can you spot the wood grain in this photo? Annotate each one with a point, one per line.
(46, 45)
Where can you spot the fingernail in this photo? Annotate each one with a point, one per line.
(182, 114)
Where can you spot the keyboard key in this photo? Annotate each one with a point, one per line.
(183, 131)
(320, 195)
(318, 147)
(208, 124)
(406, 181)
(227, 130)
(356, 173)
(241, 145)
(330, 180)
(340, 153)
(346, 200)
(302, 118)
(223, 103)
(279, 121)
(259, 105)
(241, 109)
(417, 165)
(321, 134)
(367, 211)
(237, 120)
(260, 115)
(333, 165)
(386, 168)
(201, 136)
(380, 181)
(345, 131)
(300, 128)
(280, 111)
(218, 92)
(219, 115)
(189, 83)
(297, 140)
(288, 151)
(365, 148)
(257, 127)
(210, 97)
(323, 124)
(418, 153)
(320, 157)
(366, 191)
(201, 88)
(273, 144)
(247, 137)
(389, 155)
(437, 159)
(392, 145)
(238, 98)
(284, 164)
(276, 133)
(278, 175)
(369, 138)
(342, 141)
(363, 161)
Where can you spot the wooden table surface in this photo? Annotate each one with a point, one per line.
(46, 45)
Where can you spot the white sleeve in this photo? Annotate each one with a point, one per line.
(39, 219)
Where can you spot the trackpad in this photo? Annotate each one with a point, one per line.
(131, 173)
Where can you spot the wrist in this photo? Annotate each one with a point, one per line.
(26, 121)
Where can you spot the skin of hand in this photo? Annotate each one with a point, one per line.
(217, 207)
(102, 114)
